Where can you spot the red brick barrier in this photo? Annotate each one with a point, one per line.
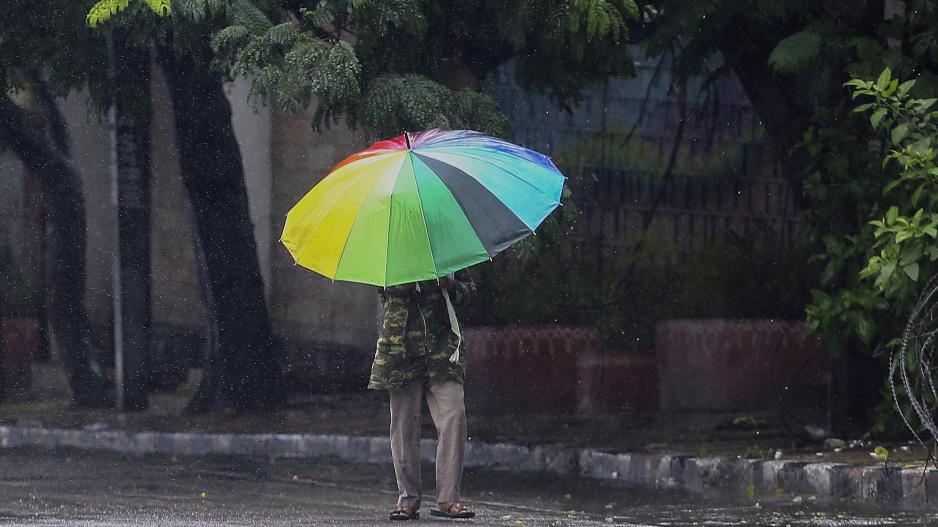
(530, 369)
(736, 364)
(20, 343)
(617, 381)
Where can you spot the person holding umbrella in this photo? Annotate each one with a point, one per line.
(405, 215)
(413, 363)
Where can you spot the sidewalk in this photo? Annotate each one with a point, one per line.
(700, 453)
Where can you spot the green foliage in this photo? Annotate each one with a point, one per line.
(877, 262)
(550, 280)
(244, 13)
(753, 451)
(796, 51)
(52, 37)
(102, 11)
(601, 18)
(412, 64)
(395, 103)
(199, 10)
(347, 55)
(160, 7)
(898, 245)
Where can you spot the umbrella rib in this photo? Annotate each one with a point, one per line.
(387, 244)
(422, 214)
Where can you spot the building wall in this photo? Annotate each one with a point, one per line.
(252, 127)
(305, 305)
(174, 282)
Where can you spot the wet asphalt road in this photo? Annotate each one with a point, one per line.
(81, 489)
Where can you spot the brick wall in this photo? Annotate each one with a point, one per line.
(714, 365)
(528, 368)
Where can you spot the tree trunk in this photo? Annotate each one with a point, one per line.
(60, 185)
(241, 370)
(130, 183)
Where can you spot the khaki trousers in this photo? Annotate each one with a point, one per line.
(448, 410)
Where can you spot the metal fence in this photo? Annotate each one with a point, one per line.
(616, 145)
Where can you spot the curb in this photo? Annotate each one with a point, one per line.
(714, 476)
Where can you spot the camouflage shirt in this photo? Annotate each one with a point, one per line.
(416, 342)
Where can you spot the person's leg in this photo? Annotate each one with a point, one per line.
(405, 442)
(448, 409)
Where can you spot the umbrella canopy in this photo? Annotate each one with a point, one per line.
(421, 206)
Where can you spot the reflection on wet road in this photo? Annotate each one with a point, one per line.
(80, 489)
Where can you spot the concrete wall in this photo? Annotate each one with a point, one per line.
(174, 280)
(305, 305)
(252, 128)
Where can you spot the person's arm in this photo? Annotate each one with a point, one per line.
(461, 288)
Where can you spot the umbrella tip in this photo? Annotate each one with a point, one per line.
(407, 139)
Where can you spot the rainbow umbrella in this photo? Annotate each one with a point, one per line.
(421, 206)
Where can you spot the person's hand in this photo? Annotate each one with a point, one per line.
(446, 283)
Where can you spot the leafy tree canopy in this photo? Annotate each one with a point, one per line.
(406, 64)
(49, 37)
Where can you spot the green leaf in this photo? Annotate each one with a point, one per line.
(911, 253)
(864, 107)
(922, 145)
(889, 186)
(902, 236)
(924, 104)
(871, 268)
(877, 117)
(864, 329)
(883, 81)
(829, 271)
(917, 194)
(899, 133)
(905, 87)
(631, 9)
(601, 18)
(887, 269)
(892, 214)
(160, 7)
(244, 13)
(911, 271)
(103, 11)
(891, 88)
(795, 51)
